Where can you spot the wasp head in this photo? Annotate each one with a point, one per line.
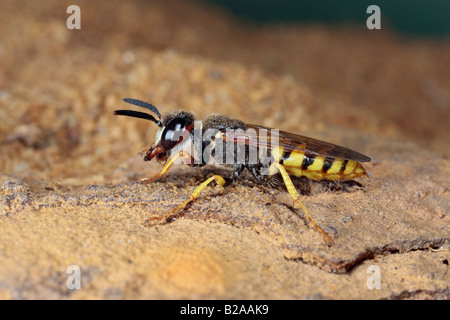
(173, 128)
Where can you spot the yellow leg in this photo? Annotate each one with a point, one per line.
(296, 197)
(173, 214)
(165, 169)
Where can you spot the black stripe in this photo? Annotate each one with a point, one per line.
(307, 161)
(328, 162)
(344, 165)
(286, 156)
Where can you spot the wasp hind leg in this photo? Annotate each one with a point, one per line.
(178, 211)
(296, 197)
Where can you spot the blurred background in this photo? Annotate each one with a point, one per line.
(415, 17)
(308, 67)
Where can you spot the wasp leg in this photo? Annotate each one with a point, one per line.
(296, 197)
(165, 169)
(174, 213)
(236, 173)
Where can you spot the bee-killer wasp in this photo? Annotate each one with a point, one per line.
(179, 137)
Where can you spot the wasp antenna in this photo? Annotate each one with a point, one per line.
(137, 114)
(143, 104)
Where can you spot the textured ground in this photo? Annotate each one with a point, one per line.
(69, 168)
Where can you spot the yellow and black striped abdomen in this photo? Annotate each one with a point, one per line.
(316, 167)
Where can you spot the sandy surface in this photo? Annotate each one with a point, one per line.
(69, 168)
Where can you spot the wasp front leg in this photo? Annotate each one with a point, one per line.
(172, 215)
(166, 167)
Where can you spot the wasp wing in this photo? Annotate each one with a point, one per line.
(266, 137)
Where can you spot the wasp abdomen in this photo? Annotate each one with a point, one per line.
(319, 167)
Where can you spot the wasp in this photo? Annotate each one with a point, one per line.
(245, 147)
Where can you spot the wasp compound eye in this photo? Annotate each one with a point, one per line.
(173, 133)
